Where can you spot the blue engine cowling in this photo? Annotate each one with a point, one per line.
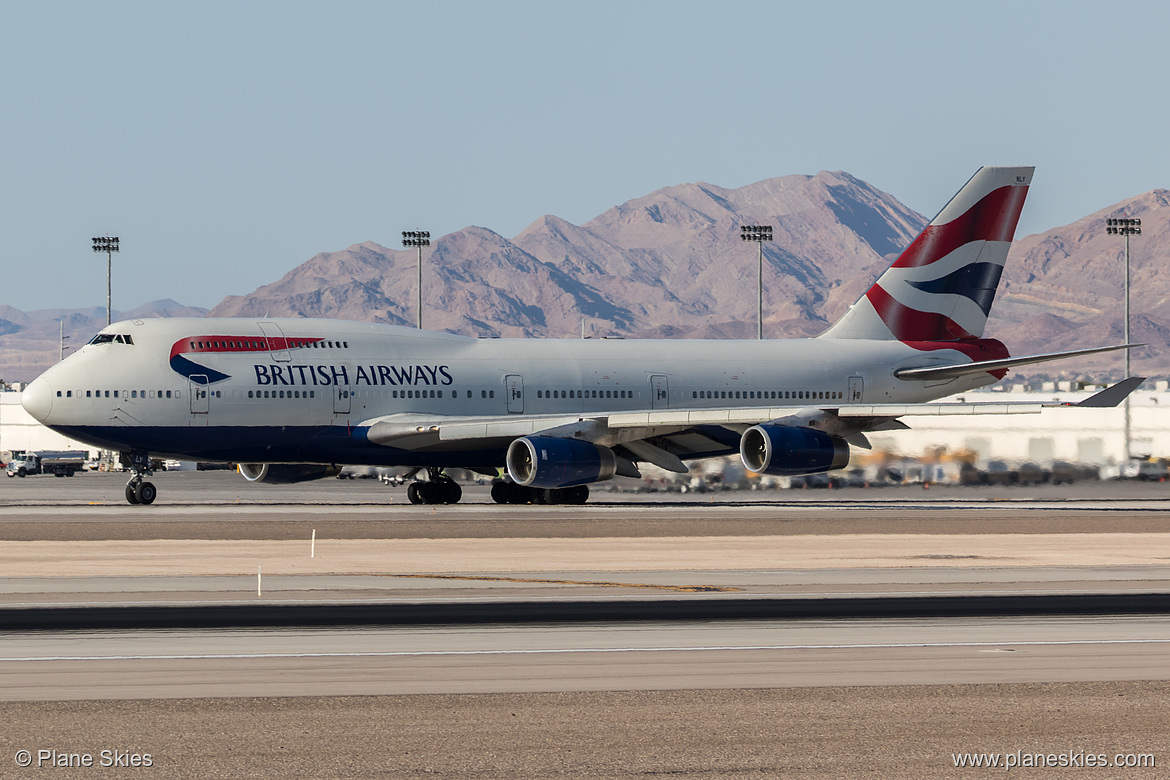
(547, 462)
(788, 451)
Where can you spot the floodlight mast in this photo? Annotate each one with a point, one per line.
(1126, 227)
(109, 245)
(417, 238)
(759, 234)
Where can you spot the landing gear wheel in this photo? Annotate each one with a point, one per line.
(499, 492)
(145, 493)
(575, 495)
(431, 492)
(451, 492)
(413, 492)
(131, 493)
(519, 494)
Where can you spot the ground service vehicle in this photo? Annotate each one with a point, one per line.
(59, 463)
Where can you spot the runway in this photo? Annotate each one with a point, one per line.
(596, 656)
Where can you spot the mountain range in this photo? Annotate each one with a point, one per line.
(671, 265)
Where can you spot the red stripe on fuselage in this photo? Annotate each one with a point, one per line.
(993, 218)
(235, 344)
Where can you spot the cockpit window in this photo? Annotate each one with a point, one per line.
(111, 338)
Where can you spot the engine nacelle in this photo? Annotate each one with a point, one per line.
(287, 473)
(548, 462)
(789, 451)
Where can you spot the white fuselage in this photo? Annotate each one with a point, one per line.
(285, 390)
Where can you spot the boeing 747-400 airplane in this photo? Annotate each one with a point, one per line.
(295, 399)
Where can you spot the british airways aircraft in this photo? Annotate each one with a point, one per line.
(295, 399)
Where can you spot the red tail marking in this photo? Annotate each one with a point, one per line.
(993, 218)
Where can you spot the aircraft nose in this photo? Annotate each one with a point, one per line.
(37, 399)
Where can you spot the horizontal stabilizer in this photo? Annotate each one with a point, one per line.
(960, 369)
(1113, 395)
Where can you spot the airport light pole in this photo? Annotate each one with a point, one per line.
(417, 238)
(1125, 227)
(61, 342)
(109, 245)
(759, 234)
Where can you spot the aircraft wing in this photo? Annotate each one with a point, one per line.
(667, 436)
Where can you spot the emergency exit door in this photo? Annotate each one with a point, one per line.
(514, 388)
(197, 387)
(659, 392)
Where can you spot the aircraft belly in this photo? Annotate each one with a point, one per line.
(278, 444)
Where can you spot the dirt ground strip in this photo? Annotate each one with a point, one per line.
(905, 732)
(374, 556)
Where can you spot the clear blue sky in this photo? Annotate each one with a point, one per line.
(228, 142)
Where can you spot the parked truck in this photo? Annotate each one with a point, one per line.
(59, 463)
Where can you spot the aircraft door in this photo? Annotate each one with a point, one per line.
(277, 343)
(514, 387)
(341, 394)
(659, 392)
(200, 403)
(856, 387)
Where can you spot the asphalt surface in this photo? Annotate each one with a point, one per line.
(582, 656)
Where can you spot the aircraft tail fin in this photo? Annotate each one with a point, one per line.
(941, 288)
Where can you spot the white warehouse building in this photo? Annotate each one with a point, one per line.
(1077, 435)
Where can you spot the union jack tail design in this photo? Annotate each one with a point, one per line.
(942, 286)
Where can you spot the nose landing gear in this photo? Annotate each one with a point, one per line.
(138, 490)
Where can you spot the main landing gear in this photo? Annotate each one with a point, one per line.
(138, 490)
(511, 493)
(438, 489)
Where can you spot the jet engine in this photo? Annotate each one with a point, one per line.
(287, 473)
(789, 451)
(548, 462)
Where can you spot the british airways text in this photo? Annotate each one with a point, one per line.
(305, 375)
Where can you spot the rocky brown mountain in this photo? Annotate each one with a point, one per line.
(1064, 289)
(669, 264)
